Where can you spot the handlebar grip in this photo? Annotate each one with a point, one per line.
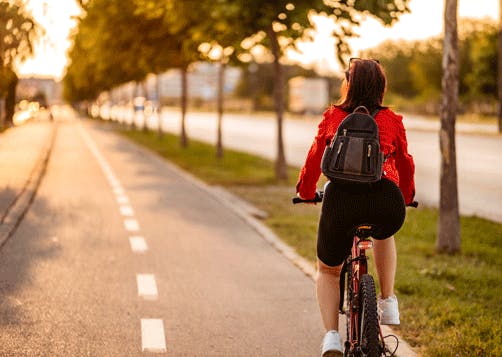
(318, 198)
(296, 200)
(413, 204)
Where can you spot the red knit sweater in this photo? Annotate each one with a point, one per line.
(399, 166)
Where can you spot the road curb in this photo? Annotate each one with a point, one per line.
(247, 213)
(14, 214)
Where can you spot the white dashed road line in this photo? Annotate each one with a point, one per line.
(119, 191)
(122, 199)
(126, 210)
(152, 335)
(147, 287)
(152, 330)
(131, 225)
(138, 244)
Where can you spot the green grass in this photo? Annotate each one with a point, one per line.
(234, 168)
(450, 304)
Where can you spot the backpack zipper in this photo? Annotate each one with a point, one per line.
(345, 131)
(368, 160)
(338, 156)
(339, 147)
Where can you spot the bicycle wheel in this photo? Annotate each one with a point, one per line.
(368, 317)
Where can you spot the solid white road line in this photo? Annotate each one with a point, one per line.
(147, 287)
(152, 335)
(126, 210)
(138, 244)
(131, 225)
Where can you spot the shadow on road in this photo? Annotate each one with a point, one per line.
(25, 249)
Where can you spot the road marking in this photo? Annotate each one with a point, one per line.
(152, 330)
(152, 335)
(122, 199)
(119, 191)
(138, 244)
(114, 182)
(126, 210)
(147, 287)
(131, 225)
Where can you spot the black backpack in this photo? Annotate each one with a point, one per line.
(354, 154)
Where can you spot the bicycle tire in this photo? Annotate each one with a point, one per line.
(368, 317)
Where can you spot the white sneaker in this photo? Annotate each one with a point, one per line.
(331, 345)
(388, 311)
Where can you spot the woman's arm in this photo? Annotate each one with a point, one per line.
(405, 165)
(311, 170)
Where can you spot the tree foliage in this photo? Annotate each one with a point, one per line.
(414, 67)
(18, 34)
(114, 44)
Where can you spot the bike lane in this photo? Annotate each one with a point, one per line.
(222, 290)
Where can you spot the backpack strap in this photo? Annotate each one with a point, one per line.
(361, 109)
(375, 112)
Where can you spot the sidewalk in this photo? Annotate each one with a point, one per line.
(24, 152)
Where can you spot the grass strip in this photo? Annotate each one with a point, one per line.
(450, 304)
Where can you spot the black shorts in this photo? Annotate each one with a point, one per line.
(345, 206)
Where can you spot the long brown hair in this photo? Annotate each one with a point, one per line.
(366, 85)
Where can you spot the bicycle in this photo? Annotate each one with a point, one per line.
(364, 334)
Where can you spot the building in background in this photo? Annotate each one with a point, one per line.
(308, 95)
(46, 91)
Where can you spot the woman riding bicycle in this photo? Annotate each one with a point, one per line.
(348, 205)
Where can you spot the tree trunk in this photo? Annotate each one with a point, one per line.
(10, 100)
(2, 122)
(137, 92)
(449, 225)
(159, 106)
(219, 139)
(146, 96)
(184, 96)
(281, 167)
(499, 51)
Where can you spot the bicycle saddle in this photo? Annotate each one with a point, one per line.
(364, 231)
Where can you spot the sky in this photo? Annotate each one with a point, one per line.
(425, 20)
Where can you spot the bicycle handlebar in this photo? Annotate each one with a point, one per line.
(318, 198)
(320, 194)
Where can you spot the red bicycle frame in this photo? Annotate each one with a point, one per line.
(359, 267)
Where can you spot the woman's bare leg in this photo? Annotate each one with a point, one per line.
(385, 255)
(328, 294)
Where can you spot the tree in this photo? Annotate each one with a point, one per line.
(177, 19)
(499, 65)
(478, 61)
(220, 36)
(449, 225)
(18, 33)
(113, 45)
(277, 25)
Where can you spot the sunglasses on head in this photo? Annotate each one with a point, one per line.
(355, 59)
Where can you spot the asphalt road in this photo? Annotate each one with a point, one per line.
(75, 278)
(478, 154)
